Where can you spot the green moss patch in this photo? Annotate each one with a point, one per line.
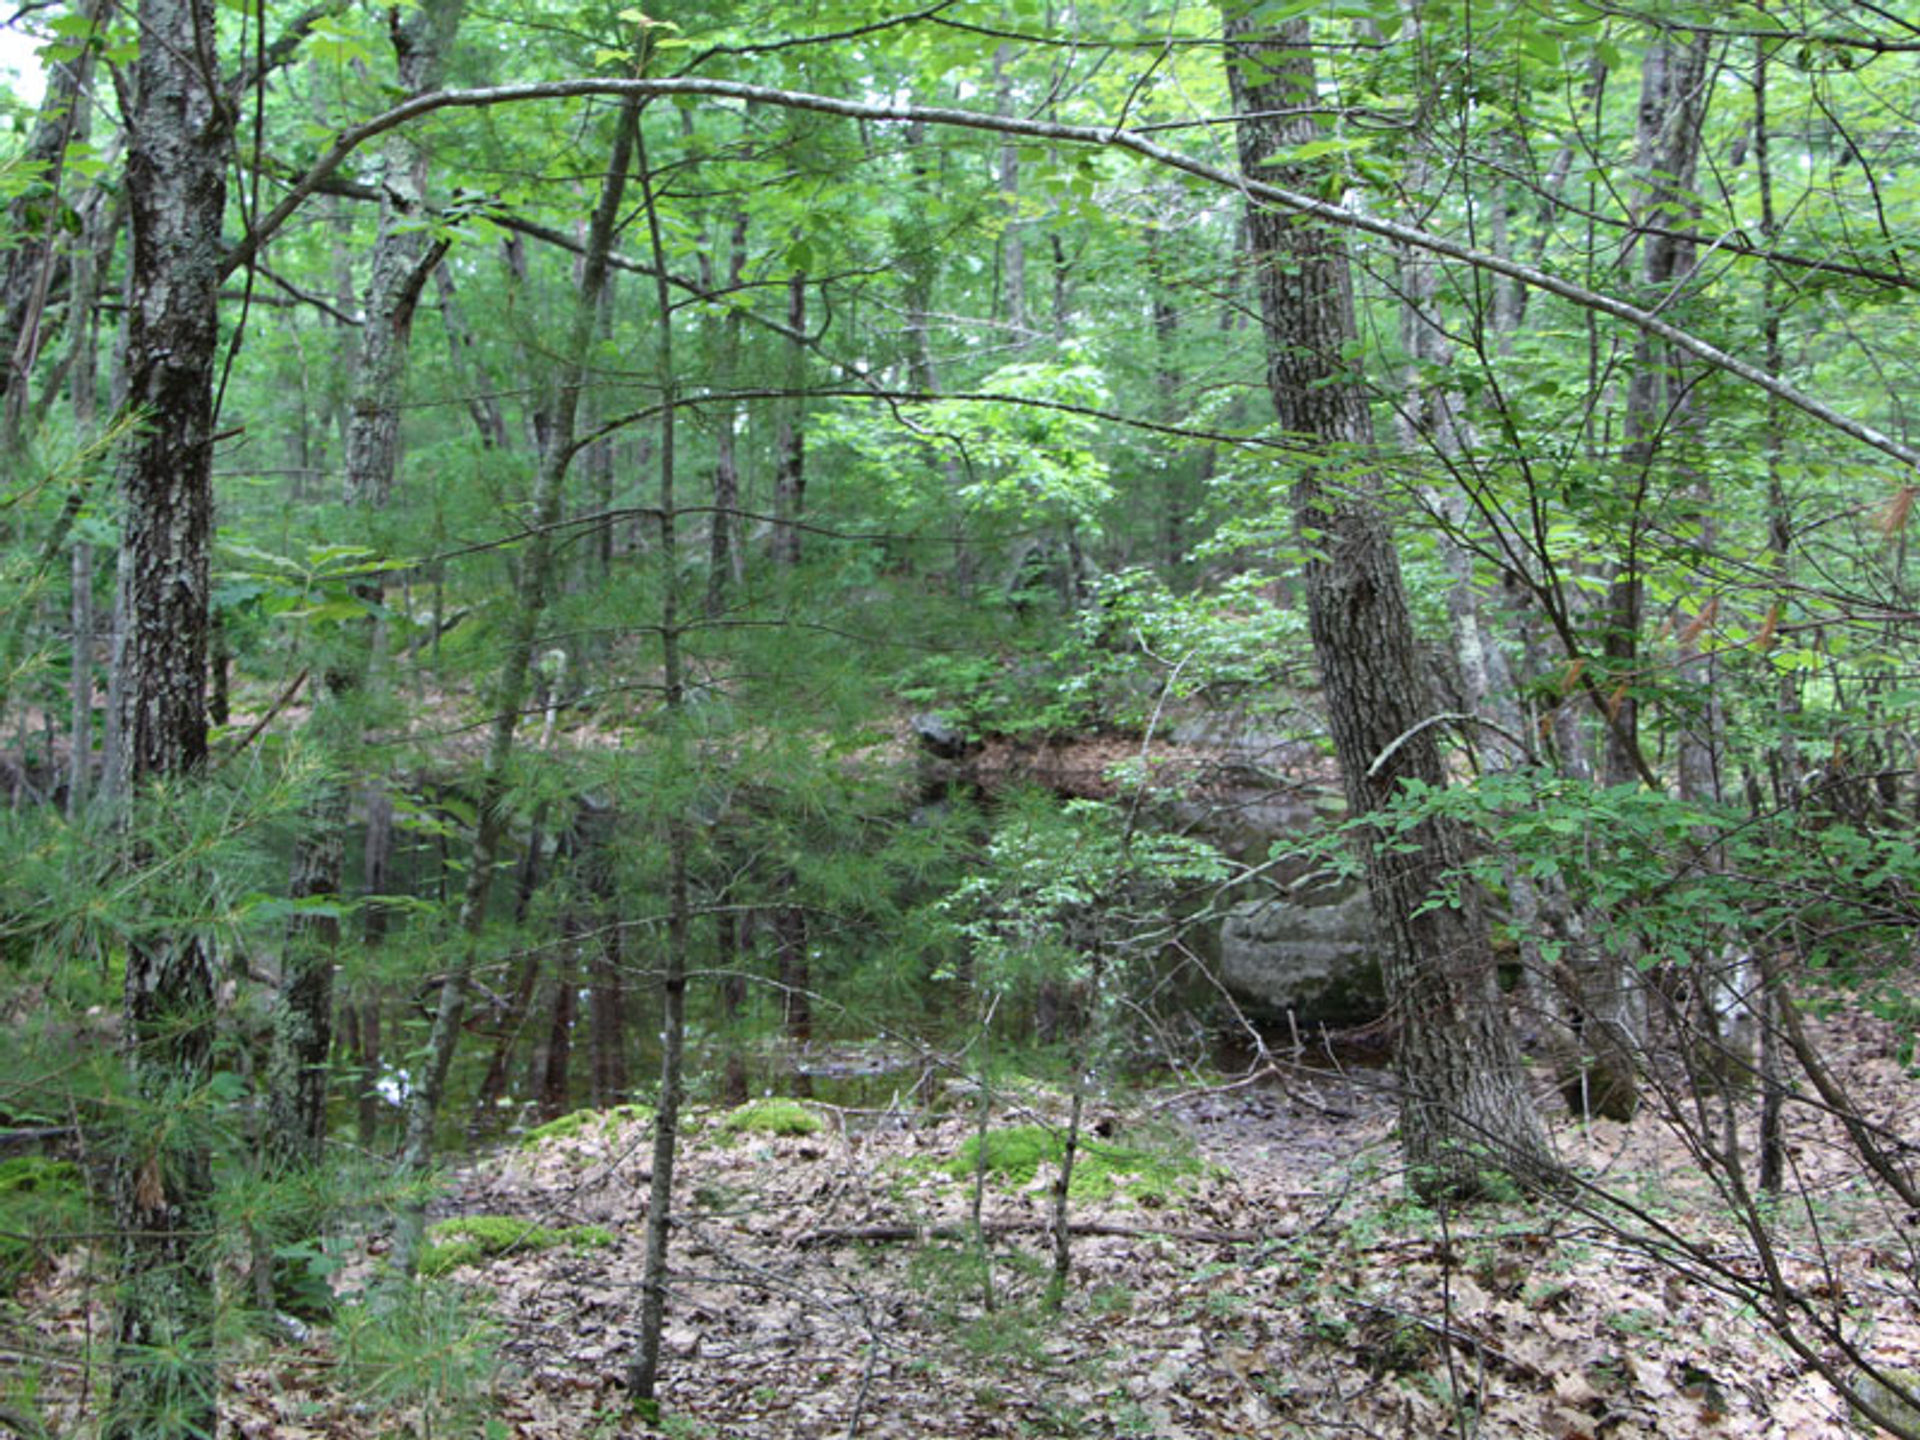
(1102, 1169)
(42, 1201)
(469, 1239)
(773, 1117)
(580, 1122)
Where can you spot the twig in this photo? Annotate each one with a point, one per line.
(847, 1234)
(253, 730)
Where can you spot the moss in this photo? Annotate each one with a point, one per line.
(605, 1122)
(1101, 1169)
(40, 1200)
(1895, 1403)
(469, 1239)
(773, 1117)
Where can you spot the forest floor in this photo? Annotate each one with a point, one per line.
(825, 1285)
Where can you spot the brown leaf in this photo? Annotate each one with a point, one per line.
(1565, 1424)
(149, 1190)
(1573, 1389)
(1894, 518)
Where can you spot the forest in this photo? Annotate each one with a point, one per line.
(1059, 718)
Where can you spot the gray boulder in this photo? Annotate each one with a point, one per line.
(1314, 952)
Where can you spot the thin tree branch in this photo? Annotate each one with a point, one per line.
(1099, 137)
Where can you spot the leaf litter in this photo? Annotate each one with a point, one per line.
(830, 1284)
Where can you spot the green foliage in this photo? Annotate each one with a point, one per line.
(1028, 451)
(1639, 860)
(469, 1239)
(43, 1206)
(1102, 1170)
(602, 1122)
(428, 1357)
(1136, 649)
(1060, 884)
(773, 1116)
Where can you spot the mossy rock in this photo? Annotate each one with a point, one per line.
(1102, 1170)
(773, 1117)
(580, 1122)
(1889, 1401)
(469, 1239)
(41, 1200)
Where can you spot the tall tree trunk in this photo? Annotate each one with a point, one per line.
(1786, 766)
(509, 1020)
(794, 972)
(1672, 100)
(403, 257)
(1586, 1006)
(728, 959)
(28, 267)
(598, 827)
(643, 1373)
(513, 685)
(464, 353)
(83, 382)
(553, 1067)
(1465, 1109)
(724, 554)
(164, 1375)
(1177, 498)
(364, 1051)
(790, 437)
(1013, 248)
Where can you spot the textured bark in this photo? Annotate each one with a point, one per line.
(1465, 1109)
(1786, 761)
(1583, 1002)
(164, 1377)
(794, 971)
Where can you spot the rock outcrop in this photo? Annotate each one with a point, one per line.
(1313, 953)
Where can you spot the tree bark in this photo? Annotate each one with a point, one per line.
(643, 1372)
(1464, 1107)
(164, 1376)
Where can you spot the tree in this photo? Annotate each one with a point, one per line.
(163, 1180)
(404, 255)
(1465, 1108)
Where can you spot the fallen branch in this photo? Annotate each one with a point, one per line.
(846, 1234)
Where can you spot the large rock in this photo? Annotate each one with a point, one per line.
(1314, 953)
